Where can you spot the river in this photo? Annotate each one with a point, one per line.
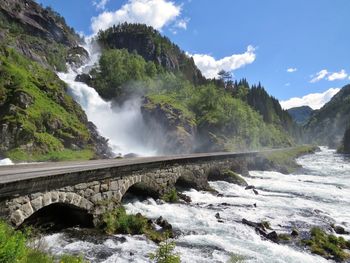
(317, 195)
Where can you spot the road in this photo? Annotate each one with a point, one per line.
(14, 173)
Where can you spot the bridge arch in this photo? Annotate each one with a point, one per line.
(26, 206)
(58, 216)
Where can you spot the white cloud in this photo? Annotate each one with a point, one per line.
(337, 75)
(291, 70)
(210, 66)
(314, 100)
(182, 23)
(101, 4)
(319, 75)
(155, 13)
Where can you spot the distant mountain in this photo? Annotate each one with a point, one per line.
(327, 126)
(301, 115)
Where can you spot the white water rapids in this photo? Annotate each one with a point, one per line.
(318, 195)
(123, 126)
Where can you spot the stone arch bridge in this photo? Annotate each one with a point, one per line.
(98, 186)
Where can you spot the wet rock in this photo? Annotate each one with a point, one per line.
(163, 223)
(221, 221)
(254, 205)
(340, 230)
(255, 192)
(77, 56)
(227, 176)
(220, 195)
(217, 215)
(85, 78)
(294, 233)
(272, 236)
(250, 187)
(184, 197)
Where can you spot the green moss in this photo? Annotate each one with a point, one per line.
(328, 246)
(171, 196)
(119, 222)
(284, 237)
(234, 178)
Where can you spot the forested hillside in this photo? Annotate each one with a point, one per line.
(327, 125)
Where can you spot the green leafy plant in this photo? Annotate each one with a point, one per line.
(165, 253)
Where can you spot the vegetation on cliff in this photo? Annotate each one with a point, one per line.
(39, 120)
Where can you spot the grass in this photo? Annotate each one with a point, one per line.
(286, 158)
(328, 246)
(14, 249)
(119, 222)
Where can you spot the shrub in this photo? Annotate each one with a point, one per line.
(165, 253)
(171, 196)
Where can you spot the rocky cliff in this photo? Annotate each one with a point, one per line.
(39, 33)
(176, 130)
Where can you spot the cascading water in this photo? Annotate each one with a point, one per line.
(316, 196)
(123, 126)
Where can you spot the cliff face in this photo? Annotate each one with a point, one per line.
(38, 33)
(327, 125)
(149, 44)
(38, 119)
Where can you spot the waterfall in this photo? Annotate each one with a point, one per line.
(122, 125)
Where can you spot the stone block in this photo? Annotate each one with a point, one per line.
(37, 203)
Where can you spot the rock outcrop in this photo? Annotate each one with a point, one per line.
(39, 33)
(176, 130)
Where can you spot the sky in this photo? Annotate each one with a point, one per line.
(297, 49)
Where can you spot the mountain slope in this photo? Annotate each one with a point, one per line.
(345, 146)
(301, 115)
(327, 125)
(38, 119)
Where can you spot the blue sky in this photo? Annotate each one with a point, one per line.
(258, 40)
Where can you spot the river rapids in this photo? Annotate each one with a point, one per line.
(317, 195)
